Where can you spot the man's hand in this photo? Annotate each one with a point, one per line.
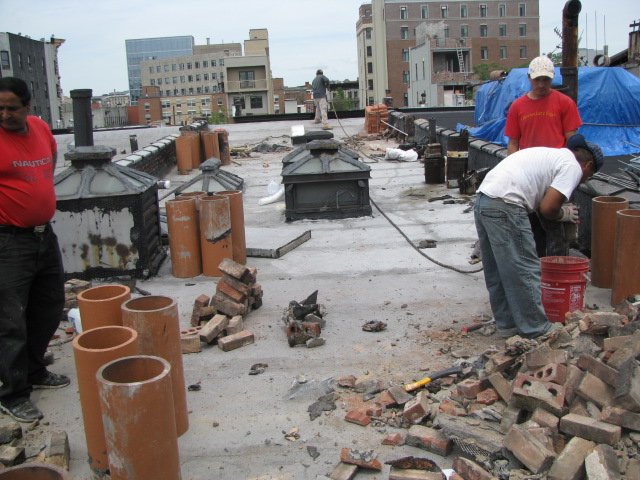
(568, 213)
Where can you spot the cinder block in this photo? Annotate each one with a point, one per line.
(237, 340)
(526, 448)
(554, 372)
(429, 439)
(602, 464)
(570, 463)
(590, 429)
(529, 393)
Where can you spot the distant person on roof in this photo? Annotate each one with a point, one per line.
(543, 117)
(320, 84)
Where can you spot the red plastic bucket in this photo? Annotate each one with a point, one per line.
(563, 280)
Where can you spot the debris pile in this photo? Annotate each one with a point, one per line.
(562, 407)
(305, 321)
(220, 319)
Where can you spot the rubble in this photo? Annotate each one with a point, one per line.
(304, 322)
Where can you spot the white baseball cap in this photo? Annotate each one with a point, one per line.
(541, 67)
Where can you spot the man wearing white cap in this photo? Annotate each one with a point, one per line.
(543, 117)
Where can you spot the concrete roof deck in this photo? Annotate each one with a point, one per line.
(363, 270)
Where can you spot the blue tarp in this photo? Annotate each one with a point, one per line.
(608, 101)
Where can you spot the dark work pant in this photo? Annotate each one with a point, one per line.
(31, 305)
(552, 238)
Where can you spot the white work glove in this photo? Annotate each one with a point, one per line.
(568, 213)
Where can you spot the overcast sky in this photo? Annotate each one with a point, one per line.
(304, 35)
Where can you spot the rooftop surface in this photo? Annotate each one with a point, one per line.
(364, 269)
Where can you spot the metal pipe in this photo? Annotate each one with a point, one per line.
(391, 126)
(82, 117)
(569, 69)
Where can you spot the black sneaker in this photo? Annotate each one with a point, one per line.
(23, 411)
(50, 380)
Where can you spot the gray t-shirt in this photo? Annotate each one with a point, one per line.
(320, 85)
(524, 176)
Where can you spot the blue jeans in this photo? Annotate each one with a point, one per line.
(511, 266)
(31, 306)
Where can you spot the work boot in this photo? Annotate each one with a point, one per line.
(50, 380)
(22, 410)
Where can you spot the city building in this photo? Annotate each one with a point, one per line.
(139, 49)
(36, 62)
(214, 79)
(467, 37)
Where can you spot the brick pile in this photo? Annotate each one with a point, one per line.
(374, 115)
(72, 288)
(565, 407)
(220, 319)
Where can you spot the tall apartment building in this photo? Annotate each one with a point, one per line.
(139, 49)
(215, 77)
(467, 33)
(36, 62)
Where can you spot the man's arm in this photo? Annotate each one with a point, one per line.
(513, 146)
(551, 203)
(570, 134)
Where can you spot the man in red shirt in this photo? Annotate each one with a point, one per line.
(543, 117)
(32, 276)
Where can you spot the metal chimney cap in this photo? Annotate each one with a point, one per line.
(96, 152)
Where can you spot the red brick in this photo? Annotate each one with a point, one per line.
(237, 340)
(236, 284)
(235, 270)
(526, 448)
(450, 407)
(470, 470)
(417, 408)
(385, 399)
(226, 305)
(374, 410)
(413, 474)
(470, 387)
(399, 395)
(359, 417)
(599, 323)
(627, 393)
(544, 355)
(236, 324)
(602, 464)
(213, 328)
(343, 471)
(362, 460)
(601, 370)
(569, 465)
(590, 429)
(230, 292)
(502, 386)
(429, 439)
(488, 396)
(394, 439)
(595, 390)
(545, 419)
(621, 417)
(574, 377)
(200, 301)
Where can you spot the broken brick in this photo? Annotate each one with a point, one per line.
(343, 471)
(488, 397)
(470, 470)
(399, 395)
(545, 418)
(429, 439)
(544, 355)
(417, 408)
(470, 387)
(229, 291)
(554, 372)
(602, 463)
(601, 370)
(359, 417)
(627, 393)
(621, 417)
(413, 474)
(213, 328)
(236, 270)
(366, 460)
(200, 302)
(528, 449)
(236, 324)
(502, 386)
(394, 439)
(228, 306)
(593, 389)
(529, 393)
(569, 465)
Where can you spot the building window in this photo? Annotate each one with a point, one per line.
(152, 82)
(405, 54)
(191, 102)
(205, 77)
(178, 103)
(464, 31)
(190, 90)
(446, 31)
(214, 75)
(404, 33)
(147, 106)
(205, 63)
(370, 84)
(424, 11)
(404, 14)
(158, 68)
(206, 89)
(198, 77)
(463, 11)
(247, 79)
(444, 11)
(159, 81)
(367, 33)
(222, 62)
(502, 30)
(522, 9)
(484, 53)
(255, 101)
(484, 31)
(213, 63)
(165, 67)
(523, 51)
(189, 65)
(522, 29)
(167, 92)
(502, 10)
(406, 76)
(369, 51)
(182, 78)
(483, 10)
(503, 52)
(190, 78)
(150, 69)
(205, 101)
(369, 67)
(181, 66)
(173, 67)
(19, 60)
(174, 80)
(198, 89)
(196, 64)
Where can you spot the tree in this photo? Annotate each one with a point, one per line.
(483, 70)
(341, 102)
(218, 117)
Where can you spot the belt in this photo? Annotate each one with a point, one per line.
(37, 230)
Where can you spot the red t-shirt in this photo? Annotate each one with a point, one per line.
(27, 194)
(542, 122)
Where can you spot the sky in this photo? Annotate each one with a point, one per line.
(304, 35)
